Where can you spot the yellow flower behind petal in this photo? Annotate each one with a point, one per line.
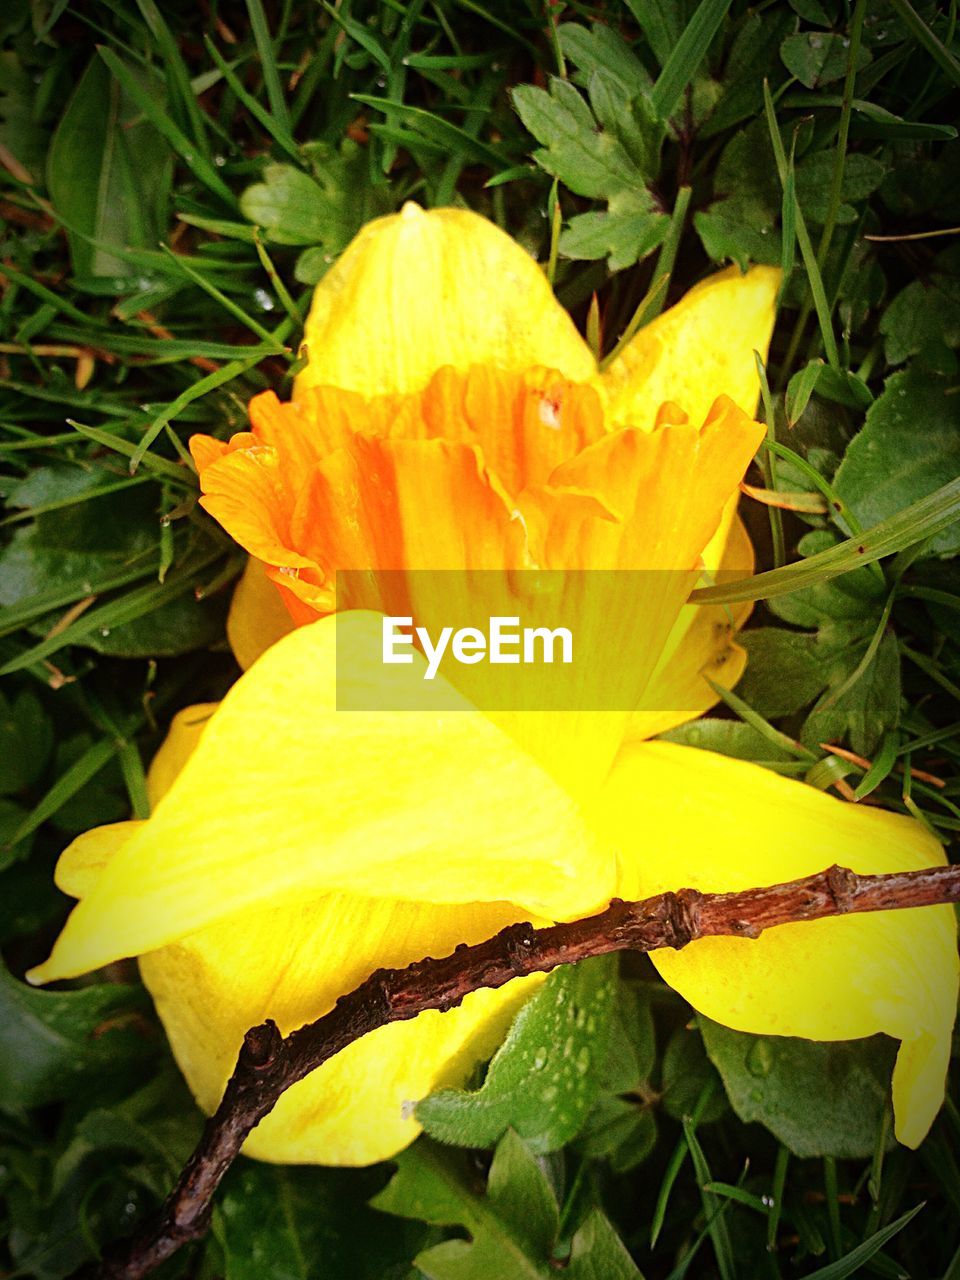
(679, 817)
(419, 290)
(701, 348)
(258, 617)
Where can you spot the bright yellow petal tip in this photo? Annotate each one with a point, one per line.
(701, 348)
(418, 290)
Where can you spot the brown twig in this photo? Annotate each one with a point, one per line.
(270, 1063)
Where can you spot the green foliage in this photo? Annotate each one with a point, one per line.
(514, 1224)
(818, 1099)
(289, 1223)
(122, 200)
(253, 141)
(908, 447)
(547, 1073)
(602, 151)
(56, 1044)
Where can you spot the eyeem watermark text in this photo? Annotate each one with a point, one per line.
(504, 643)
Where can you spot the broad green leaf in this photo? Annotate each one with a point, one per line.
(784, 672)
(590, 162)
(513, 1227)
(29, 900)
(621, 1131)
(660, 21)
(624, 238)
(26, 741)
(861, 177)
(731, 738)
(600, 48)
(199, 165)
(546, 1076)
(909, 446)
(866, 708)
(852, 598)
(326, 209)
(600, 150)
(924, 318)
(55, 1044)
(289, 206)
(182, 625)
(20, 130)
(308, 1224)
(622, 1128)
(844, 387)
(13, 847)
(108, 173)
(818, 57)
(689, 1081)
(819, 1099)
(742, 222)
(752, 55)
(598, 1253)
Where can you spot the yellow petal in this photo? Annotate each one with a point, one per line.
(285, 798)
(86, 858)
(291, 963)
(176, 748)
(701, 644)
(257, 617)
(681, 817)
(419, 290)
(701, 348)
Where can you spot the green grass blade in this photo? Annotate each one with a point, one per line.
(857, 1258)
(757, 722)
(199, 166)
(268, 60)
(160, 466)
(814, 277)
(115, 613)
(278, 129)
(47, 295)
(66, 787)
(134, 778)
(931, 42)
(234, 369)
(880, 770)
(441, 133)
(15, 616)
(178, 78)
(113, 486)
(362, 35)
(843, 135)
(716, 1222)
(688, 53)
(922, 519)
(667, 257)
(229, 305)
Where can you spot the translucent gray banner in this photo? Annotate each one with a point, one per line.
(527, 640)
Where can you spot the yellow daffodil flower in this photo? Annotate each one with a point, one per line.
(450, 416)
